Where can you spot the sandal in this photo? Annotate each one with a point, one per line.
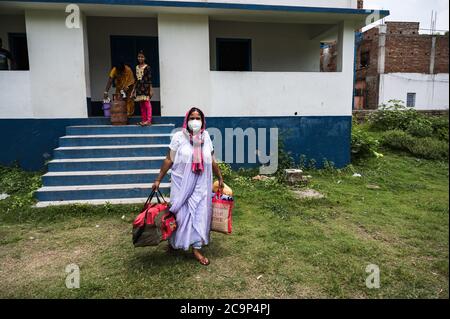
(202, 260)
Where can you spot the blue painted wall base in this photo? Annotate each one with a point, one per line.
(30, 142)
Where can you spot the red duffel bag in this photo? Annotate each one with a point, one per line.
(155, 223)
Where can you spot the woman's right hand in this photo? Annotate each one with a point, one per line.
(155, 185)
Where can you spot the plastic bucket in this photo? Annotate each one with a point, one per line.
(107, 109)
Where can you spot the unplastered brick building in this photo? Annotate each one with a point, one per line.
(395, 61)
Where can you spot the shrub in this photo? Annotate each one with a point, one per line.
(420, 127)
(392, 116)
(440, 127)
(426, 147)
(429, 148)
(225, 169)
(397, 139)
(285, 160)
(363, 144)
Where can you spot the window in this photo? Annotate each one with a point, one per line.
(365, 59)
(233, 54)
(411, 100)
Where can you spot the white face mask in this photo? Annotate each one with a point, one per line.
(195, 125)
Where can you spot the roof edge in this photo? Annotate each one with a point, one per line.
(219, 5)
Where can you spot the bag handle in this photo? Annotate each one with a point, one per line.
(160, 198)
(149, 198)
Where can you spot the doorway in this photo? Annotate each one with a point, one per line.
(125, 48)
(19, 50)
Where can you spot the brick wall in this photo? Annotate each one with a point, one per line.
(402, 28)
(328, 58)
(408, 54)
(360, 4)
(407, 51)
(441, 58)
(369, 73)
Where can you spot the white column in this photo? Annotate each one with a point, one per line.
(346, 46)
(57, 65)
(346, 59)
(184, 63)
(87, 75)
(381, 48)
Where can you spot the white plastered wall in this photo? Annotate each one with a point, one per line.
(432, 91)
(15, 94)
(278, 47)
(57, 68)
(288, 93)
(187, 81)
(184, 62)
(14, 85)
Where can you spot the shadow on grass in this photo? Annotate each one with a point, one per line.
(155, 259)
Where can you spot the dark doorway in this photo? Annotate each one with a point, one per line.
(234, 54)
(125, 48)
(19, 51)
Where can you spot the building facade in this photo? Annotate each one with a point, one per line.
(247, 64)
(395, 62)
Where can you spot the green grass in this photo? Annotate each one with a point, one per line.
(300, 248)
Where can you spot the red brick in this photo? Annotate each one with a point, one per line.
(407, 51)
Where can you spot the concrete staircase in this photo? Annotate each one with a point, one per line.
(96, 164)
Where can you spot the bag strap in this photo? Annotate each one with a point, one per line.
(160, 194)
(218, 194)
(149, 198)
(159, 197)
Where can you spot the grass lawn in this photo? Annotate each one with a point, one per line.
(282, 246)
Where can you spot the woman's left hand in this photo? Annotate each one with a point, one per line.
(221, 184)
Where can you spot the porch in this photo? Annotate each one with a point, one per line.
(229, 62)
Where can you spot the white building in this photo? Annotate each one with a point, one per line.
(274, 45)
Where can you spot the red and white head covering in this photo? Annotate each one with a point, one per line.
(196, 141)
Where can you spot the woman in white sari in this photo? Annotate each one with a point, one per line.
(191, 157)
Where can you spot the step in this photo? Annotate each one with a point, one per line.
(102, 177)
(97, 164)
(114, 139)
(114, 201)
(119, 129)
(86, 192)
(110, 151)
